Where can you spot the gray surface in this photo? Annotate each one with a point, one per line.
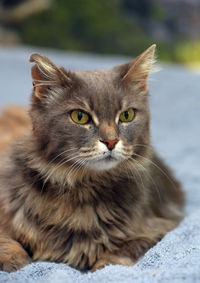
(175, 107)
(15, 80)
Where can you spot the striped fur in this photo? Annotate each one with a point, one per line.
(59, 199)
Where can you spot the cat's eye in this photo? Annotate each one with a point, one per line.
(127, 116)
(80, 117)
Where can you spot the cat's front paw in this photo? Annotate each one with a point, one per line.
(112, 259)
(12, 255)
(13, 264)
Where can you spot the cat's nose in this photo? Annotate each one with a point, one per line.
(110, 143)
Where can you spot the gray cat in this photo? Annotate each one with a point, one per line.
(84, 186)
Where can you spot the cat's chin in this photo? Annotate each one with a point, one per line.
(103, 164)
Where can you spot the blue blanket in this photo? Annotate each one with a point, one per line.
(175, 108)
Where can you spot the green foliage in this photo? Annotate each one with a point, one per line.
(86, 25)
(188, 52)
(156, 12)
(102, 26)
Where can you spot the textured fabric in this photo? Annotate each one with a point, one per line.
(175, 108)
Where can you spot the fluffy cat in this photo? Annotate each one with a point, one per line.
(84, 186)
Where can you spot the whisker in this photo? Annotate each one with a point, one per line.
(45, 172)
(149, 176)
(65, 151)
(125, 165)
(86, 161)
(163, 172)
(63, 161)
(143, 145)
(80, 165)
(138, 173)
(128, 165)
(74, 167)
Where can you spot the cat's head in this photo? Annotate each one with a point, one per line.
(94, 119)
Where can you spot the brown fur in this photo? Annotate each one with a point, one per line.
(14, 122)
(55, 204)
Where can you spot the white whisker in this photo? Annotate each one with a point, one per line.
(65, 151)
(163, 172)
(63, 161)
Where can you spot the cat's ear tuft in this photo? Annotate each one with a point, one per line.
(45, 74)
(138, 70)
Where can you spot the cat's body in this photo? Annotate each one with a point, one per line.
(86, 194)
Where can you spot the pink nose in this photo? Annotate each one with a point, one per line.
(110, 143)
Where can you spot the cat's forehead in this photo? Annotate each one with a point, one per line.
(102, 90)
(99, 91)
(100, 87)
(101, 80)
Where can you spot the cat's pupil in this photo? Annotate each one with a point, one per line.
(80, 115)
(126, 114)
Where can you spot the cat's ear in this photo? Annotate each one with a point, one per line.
(45, 75)
(137, 71)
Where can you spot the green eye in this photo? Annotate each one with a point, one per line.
(80, 117)
(127, 116)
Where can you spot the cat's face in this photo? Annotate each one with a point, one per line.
(93, 119)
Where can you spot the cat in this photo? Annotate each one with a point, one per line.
(84, 186)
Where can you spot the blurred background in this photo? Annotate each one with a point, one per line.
(123, 27)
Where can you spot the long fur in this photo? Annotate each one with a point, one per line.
(57, 200)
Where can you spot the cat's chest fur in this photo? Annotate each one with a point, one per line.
(93, 216)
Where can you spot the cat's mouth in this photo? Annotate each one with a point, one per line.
(103, 158)
(109, 158)
(104, 163)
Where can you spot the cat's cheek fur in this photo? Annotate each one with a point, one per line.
(104, 159)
